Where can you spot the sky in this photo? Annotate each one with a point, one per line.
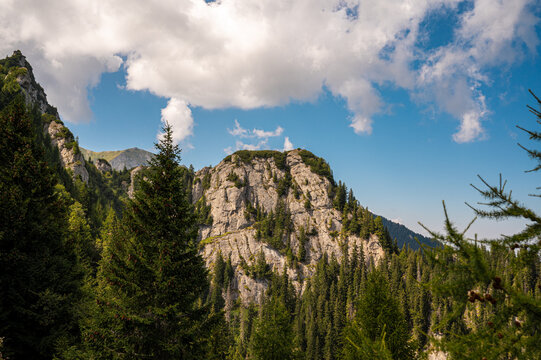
(407, 100)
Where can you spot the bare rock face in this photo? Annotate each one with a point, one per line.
(61, 137)
(103, 165)
(70, 157)
(235, 184)
(133, 177)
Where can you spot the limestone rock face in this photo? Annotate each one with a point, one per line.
(61, 137)
(103, 165)
(233, 184)
(69, 156)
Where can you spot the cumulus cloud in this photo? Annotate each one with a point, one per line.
(238, 130)
(255, 133)
(288, 145)
(179, 116)
(266, 134)
(261, 135)
(234, 53)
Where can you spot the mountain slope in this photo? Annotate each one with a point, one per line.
(120, 159)
(285, 210)
(18, 77)
(272, 205)
(405, 236)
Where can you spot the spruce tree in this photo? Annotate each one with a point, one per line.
(39, 275)
(272, 338)
(151, 278)
(379, 329)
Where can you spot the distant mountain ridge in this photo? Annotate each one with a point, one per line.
(405, 236)
(120, 159)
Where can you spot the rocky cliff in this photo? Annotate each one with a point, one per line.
(273, 204)
(20, 77)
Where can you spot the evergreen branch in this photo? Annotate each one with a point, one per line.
(533, 134)
(536, 98)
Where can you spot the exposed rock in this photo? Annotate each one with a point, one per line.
(61, 137)
(103, 165)
(234, 234)
(70, 157)
(32, 91)
(133, 178)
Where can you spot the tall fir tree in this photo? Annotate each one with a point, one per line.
(151, 279)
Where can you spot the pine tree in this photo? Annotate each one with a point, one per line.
(151, 279)
(39, 274)
(272, 338)
(379, 328)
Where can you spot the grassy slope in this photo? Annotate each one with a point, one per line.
(107, 155)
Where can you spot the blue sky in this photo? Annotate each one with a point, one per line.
(408, 102)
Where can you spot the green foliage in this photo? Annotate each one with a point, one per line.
(307, 204)
(272, 338)
(358, 345)
(11, 84)
(202, 212)
(151, 278)
(64, 133)
(206, 181)
(235, 179)
(40, 278)
(317, 165)
(261, 268)
(379, 326)
(247, 156)
(340, 197)
(80, 238)
(493, 287)
(284, 184)
(275, 227)
(48, 118)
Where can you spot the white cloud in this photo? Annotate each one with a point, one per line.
(235, 53)
(238, 130)
(179, 116)
(398, 221)
(470, 127)
(262, 134)
(242, 146)
(255, 133)
(491, 34)
(288, 145)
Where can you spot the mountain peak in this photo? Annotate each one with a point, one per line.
(120, 159)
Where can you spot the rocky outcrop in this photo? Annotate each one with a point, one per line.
(61, 137)
(70, 156)
(133, 180)
(235, 185)
(32, 91)
(103, 165)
